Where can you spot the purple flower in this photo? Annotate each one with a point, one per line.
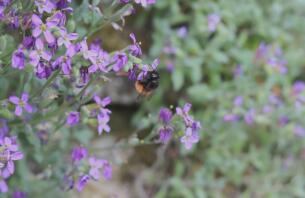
(278, 65)
(124, 1)
(184, 113)
(58, 18)
(103, 123)
(19, 194)
(238, 71)
(65, 63)
(44, 6)
(43, 70)
(261, 52)
(87, 54)
(249, 117)
(145, 3)
(165, 115)
(165, 134)
(78, 153)
(132, 72)
(28, 42)
(84, 75)
(21, 103)
(100, 61)
(39, 53)
(191, 137)
(283, 121)
(46, 29)
(82, 181)
(96, 44)
(66, 38)
(13, 19)
(230, 117)
(102, 102)
(299, 131)
(135, 49)
(238, 101)
(182, 32)
(8, 154)
(3, 128)
(73, 118)
(298, 87)
(107, 170)
(120, 60)
(95, 166)
(213, 21)
(62, 4)
(18, 59)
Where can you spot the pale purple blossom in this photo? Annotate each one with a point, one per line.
(238, 101)
(145, 3)
(213, 21)
(73, 118)
(36, 55)
(262, 52)
(99, 62)
(135, 48)
(184, 113)
(299, 131)
(278, 65)
(191, 137)
(298, 87)
(103, 123)
(182, 32)
(9, 153)
(66, 38)
(86, 52)
(95, 166)
(21, 103)
(98, 165)
(44, 6)
(230, 117)
(120, 59)
(249, 117)
(82, 181)
(165, 134)
(40, 28)
(165, 115)
(78, 153)
(18, 59)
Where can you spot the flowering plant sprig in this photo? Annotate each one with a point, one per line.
(191, 127)
(54, 69)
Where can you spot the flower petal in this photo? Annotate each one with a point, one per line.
(18, 111)
(14, 99)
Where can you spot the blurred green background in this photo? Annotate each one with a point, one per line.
(251, 148)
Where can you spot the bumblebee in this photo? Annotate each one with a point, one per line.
(148, 84)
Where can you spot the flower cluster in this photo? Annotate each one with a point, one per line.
(191, 126)
(86, 168)
(8, 154)
(102, 113)
(272, 57)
